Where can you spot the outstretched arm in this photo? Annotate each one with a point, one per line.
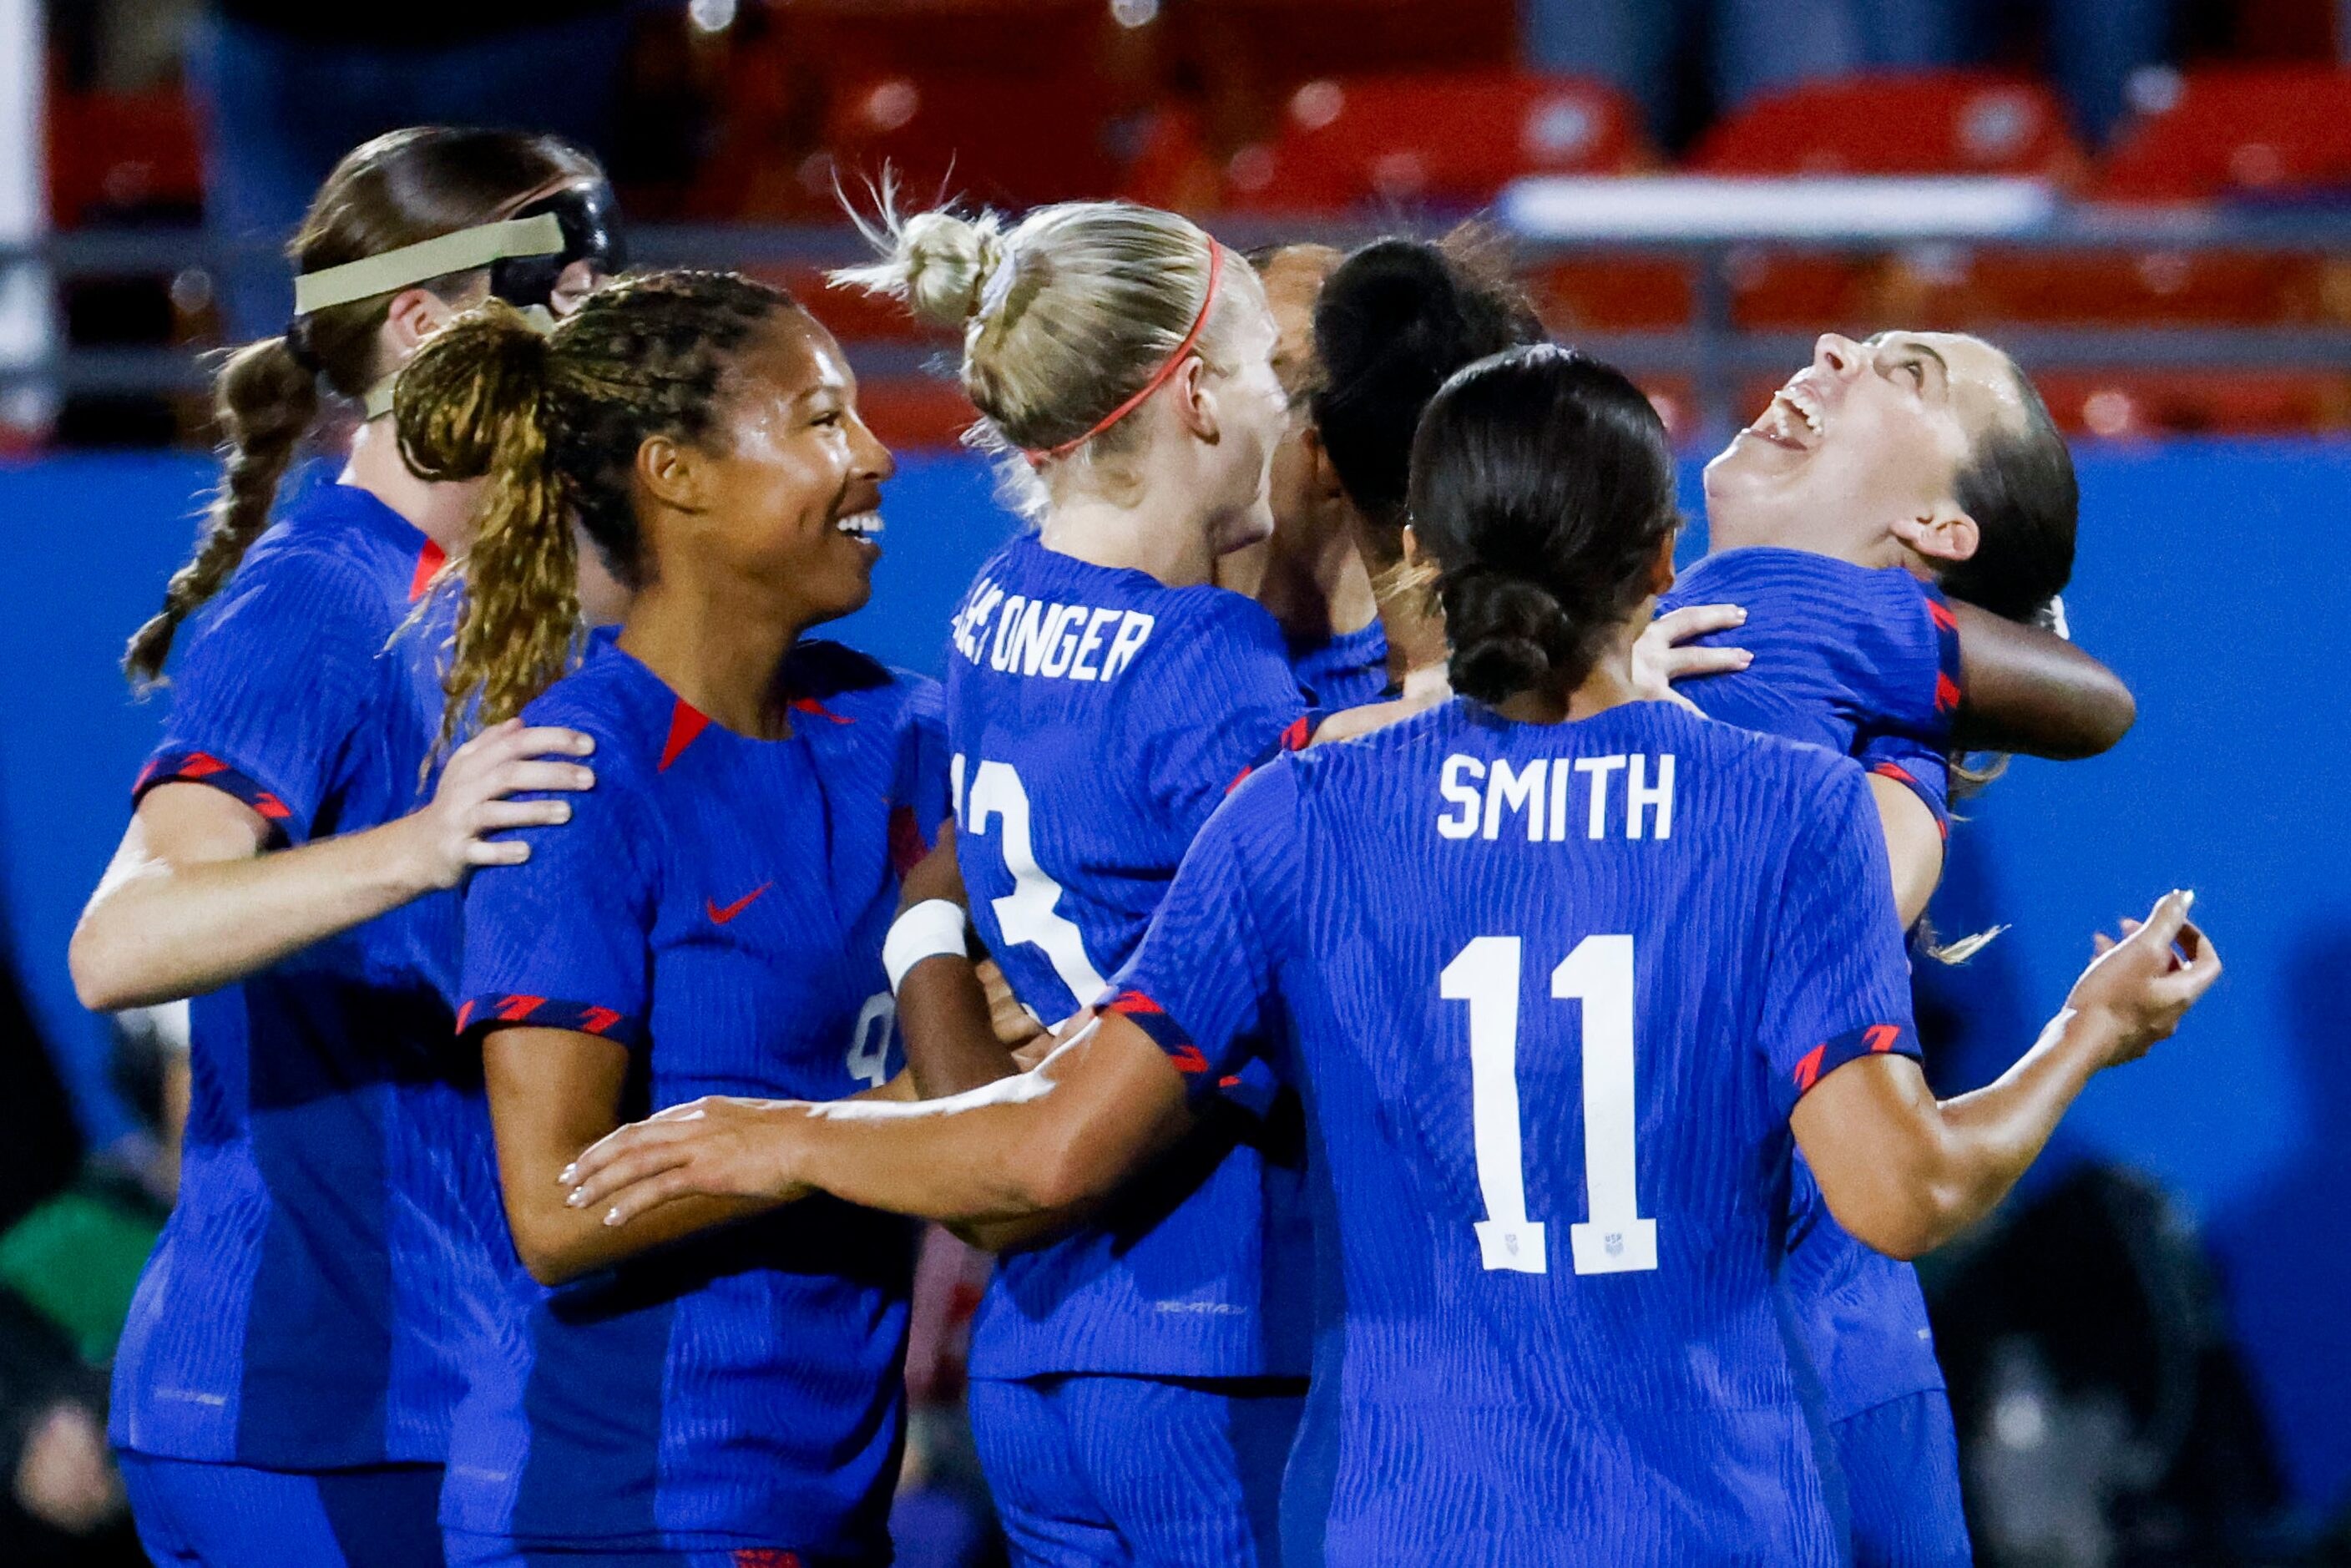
(1070, 1132)
(195, 898)
(2031, 691)
(1904, 1172)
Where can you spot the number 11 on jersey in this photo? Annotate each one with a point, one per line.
(1599, 974)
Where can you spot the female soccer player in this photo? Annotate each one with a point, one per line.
(1474, 941)
(1849, 651)
(1134, 1383)
(284, 1386)
(710, 921)
(1910, 454)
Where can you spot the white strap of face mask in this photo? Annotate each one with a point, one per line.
(436, 258)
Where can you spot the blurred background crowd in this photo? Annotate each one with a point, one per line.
(2145, 1350)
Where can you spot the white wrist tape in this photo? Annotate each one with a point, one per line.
(932, 927)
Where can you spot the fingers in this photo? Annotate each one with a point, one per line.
(610, 1147)
(2194, 973)
(497, 852)
(493, 815)
(525, 777)
(635, 1199)
(640, 1162)
(1681, 664)
(2164, 921)
(2101, 944)
(1696, 621)
(551, 741)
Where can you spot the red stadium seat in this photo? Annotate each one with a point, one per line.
(115, 155)
(1441, 141)
(1952, 287)
(2213, 132)
(999, 141)
(1613, 294)
(1935, 122)
(1940, 122)
(2123, 405)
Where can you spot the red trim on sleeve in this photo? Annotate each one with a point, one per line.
(204, 768)
(548, 1012)
(1872, 1039)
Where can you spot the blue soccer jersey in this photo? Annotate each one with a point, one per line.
(1097, 717)
(1550, 993)
(1865, 663)
(303, 1307)
(1840, 650)
(1349, 670)
(716, 904)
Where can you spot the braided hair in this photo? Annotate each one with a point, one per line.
(399, 189)
(554, 423)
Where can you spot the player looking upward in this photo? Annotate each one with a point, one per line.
(284, 1386)
(1883, 477)
(1555, 1005)
(710, 920)
(1134, 1385)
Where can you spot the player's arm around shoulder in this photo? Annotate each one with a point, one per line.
(212, 877)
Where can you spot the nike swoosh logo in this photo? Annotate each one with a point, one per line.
(721, 917)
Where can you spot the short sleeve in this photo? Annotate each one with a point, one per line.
(1916, 766)
(565, 939)
(1837, 984)
(1211, 707)
(271, 689)
(1904, 656)
(1201, 984)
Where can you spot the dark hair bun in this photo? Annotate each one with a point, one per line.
(1514, 636)
(1394, 320)
(1543, 486)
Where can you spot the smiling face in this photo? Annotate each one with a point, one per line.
(793, 476)
(1863, 448)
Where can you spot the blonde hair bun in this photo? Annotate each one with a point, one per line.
(949, 269)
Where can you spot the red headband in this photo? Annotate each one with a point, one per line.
(1158, 377)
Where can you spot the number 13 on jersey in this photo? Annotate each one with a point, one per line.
(1598, 973)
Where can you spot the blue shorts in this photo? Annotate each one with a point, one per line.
(1901, 1462)
(1136, 1472)
(192, 1515)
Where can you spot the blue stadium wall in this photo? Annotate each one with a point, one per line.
(2202, 581)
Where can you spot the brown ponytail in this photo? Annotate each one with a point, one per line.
(400, 188)
(474, 404)
(265, 400)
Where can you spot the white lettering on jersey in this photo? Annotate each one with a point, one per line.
(1461, 794)
(1479, 797)
(969, 627)
(1060, 642)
